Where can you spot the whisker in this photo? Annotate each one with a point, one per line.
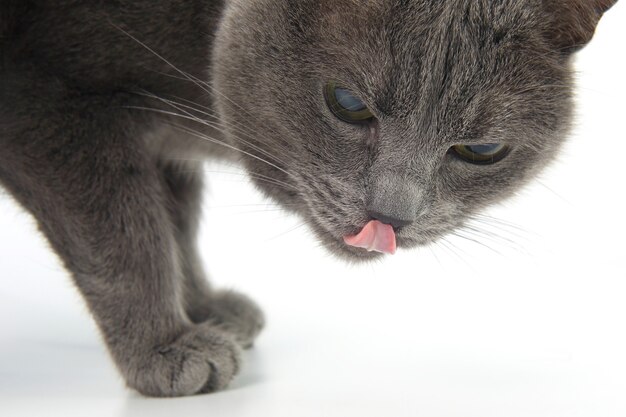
(298, 226)
(200, 135)
(559, 196)
(267, 205)
(444, 241)
(187, 76)
(499, 230)
(222, 143)
(248, 175)
(434, 253)
(218, 123)
(487, 218)
(206, 87)
(189, 116)
(208, 111)
(459, 235)
(489, 235)
(269, 181)
(275, 210)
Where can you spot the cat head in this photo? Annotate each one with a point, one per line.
(418, 113)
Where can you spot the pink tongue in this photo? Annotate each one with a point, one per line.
(375, 236)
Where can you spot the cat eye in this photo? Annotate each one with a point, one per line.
(345, 105)
(484, 154)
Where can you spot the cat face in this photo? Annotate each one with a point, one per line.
(418, 113)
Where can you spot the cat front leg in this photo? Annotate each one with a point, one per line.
(184, 184)
(231, 311)
(77, 164)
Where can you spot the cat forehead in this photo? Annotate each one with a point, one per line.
(416, 14)
(406, 32)
(405, 47)
(422, 60)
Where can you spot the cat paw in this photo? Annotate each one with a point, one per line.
(200, 361)
(233, 313)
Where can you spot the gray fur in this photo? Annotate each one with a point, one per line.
(89, 147)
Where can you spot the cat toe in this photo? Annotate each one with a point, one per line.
(234, 313)
(201, 361)
(239, 315)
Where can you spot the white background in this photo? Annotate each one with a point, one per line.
(528, 321)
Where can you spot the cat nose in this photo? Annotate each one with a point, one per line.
(394, 200)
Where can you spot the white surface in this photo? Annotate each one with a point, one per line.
(531, 327)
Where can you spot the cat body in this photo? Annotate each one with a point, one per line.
(107, 107)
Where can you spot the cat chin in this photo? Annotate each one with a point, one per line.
(350, 254)
(358, 255)
(340, 249)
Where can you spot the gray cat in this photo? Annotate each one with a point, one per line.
(384, 123)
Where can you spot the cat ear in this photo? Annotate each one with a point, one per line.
(574, 21)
